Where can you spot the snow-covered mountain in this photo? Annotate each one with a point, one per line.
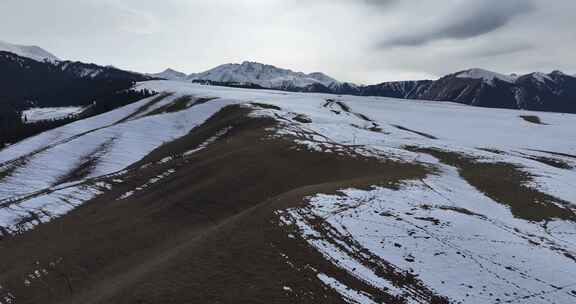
(169, 74)
(485, 75)
(263, 75)
(32, 52)
(554, 92)
(291, 198)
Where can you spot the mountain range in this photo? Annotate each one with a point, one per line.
(554, 92)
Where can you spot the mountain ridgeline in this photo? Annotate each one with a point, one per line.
(554, 92)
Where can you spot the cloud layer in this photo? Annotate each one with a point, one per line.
(465, 20)
(355, 40)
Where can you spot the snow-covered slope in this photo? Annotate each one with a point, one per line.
(36, 168)
(264, 75)
(449, 236)
(43, 159)
(32, 52)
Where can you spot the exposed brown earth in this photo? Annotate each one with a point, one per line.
(8, 169)
(550, 161)
(87, 165)
(570, 156)
(179, 104)
(415, 132)
(505, 183)
(532, 119)
(146, 106)
(206, 234)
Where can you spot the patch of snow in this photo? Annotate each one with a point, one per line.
(39, 114)
(209, 141)
(148, 184)
(348, 294)
(541, 78)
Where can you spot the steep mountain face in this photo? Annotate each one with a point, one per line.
(470, 88)
(169, 74)
(32, 52)
(216, 195)
(547, 92)
(397, 89)
(28, 83)
(344, 88)
(554, 92)
(264, 76)
(91, 71)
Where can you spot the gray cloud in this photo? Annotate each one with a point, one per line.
(414, 38)
(380, 3)
(374, 2)
(499, 50)
(466, 19)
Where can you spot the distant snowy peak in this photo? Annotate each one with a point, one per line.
(267, 76)
(489, 76)
(170, 74)
(323, 78)
(32, 52)
(485, 75)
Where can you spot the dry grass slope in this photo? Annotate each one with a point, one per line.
(507, 184)
(206, 234)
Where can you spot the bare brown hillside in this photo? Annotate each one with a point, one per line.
(206, 232)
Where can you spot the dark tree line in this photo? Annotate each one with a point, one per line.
(28, 83)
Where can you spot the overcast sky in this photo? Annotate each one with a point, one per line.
(365, 41)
